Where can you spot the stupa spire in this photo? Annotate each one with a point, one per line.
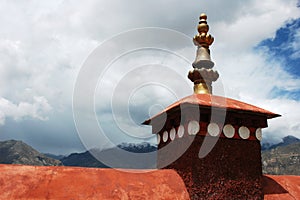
(202, 75)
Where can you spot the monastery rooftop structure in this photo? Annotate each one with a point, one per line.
(215, 143)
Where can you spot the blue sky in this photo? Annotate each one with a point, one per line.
(284, 47)
(44, 45)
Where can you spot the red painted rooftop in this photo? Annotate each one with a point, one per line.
(208, 100)
(33, 182)
(281, 187)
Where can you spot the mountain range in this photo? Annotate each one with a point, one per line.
(17, 152)
(285, 141)
(132, 157)
(281, 158)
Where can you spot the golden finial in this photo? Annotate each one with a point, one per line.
(202, 75)
(203, 38)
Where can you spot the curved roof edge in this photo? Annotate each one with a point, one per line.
(40, 182)
(208, 100)
(281, 187)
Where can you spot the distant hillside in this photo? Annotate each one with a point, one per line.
(285, 141)
(114, 157)
(17, 152)
(56, 157)
(282, 158)
(85, 159)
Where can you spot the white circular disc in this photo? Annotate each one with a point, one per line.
(165, 136)
(244, 132)
(180, 131)
(158, 139)
(228, 131)
(213, 129)
(193, 127)
(258, 134)
(172, 133)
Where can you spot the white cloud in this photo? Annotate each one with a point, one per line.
(44, 44)
(288, 124)
(36, 109)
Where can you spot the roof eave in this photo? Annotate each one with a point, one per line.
(268, 115)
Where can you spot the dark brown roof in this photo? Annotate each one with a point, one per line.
(207, 100)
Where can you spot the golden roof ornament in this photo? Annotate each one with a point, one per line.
(203, 38)
(202, 75)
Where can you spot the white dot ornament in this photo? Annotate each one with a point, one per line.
(193, 127)
(213, 129)
(244, 132)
